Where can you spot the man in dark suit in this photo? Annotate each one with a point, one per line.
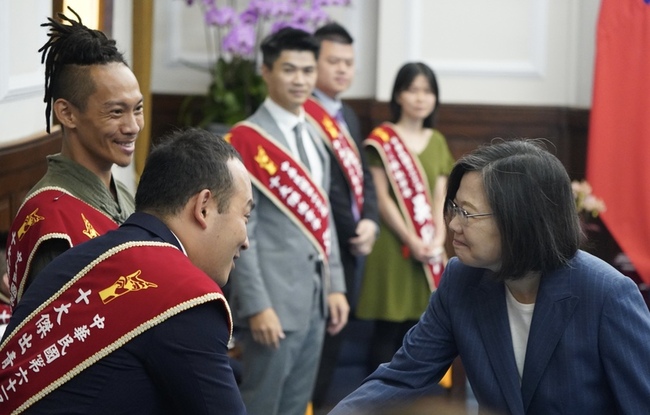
(357, 226)
(289, 284)
(134, 321)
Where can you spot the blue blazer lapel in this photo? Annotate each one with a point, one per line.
(491, 307)
(554, 307)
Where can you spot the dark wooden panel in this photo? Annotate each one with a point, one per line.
(465, 125)
(22, 164)
(164, 114)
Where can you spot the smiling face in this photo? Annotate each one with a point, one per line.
(478, 244)
(417, 101)
(335, 67)
(228, 235)
(104, 132)
(292, 78)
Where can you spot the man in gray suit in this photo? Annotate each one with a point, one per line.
(289, 284)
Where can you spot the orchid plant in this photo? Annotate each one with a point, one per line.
(234, 31)
(586, 202)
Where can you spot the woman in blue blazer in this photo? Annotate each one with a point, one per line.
(540, 326)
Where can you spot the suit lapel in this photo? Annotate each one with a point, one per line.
(263, 118)
(554, 307)
(491, 308)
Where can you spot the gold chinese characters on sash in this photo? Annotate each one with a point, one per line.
(285, 182)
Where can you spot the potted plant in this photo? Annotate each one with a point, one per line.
(234, 31)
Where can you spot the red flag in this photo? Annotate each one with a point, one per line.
(618, 161)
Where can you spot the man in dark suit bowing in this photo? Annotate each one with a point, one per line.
(352, 192)
(134, 321)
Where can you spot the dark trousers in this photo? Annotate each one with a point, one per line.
(352, 268)
(386, 340)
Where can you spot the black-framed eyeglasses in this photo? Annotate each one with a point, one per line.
(452, 210)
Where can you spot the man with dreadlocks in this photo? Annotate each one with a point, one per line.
(96, 98)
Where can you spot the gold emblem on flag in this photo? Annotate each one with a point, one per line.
(30, 220)
(265, 162)
(90, 230)
(123, 285)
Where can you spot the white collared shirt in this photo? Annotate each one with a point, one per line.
(287, 121)
(332, 106)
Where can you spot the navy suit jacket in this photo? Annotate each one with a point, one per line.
(179, 366)
(340, 189)
(588, 347)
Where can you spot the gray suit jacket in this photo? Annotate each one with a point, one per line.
(281, 268)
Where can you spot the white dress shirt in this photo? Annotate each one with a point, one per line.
(287, 121)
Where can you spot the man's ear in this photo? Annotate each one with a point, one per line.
(63, 110)
(203, 207)
(266, 73)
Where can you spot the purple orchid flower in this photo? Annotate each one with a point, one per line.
(240, 40)
(249, 16)
(220, 17)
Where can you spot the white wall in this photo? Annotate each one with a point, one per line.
(180, 46)
(511, 52)
(21, 74)
(503, 52)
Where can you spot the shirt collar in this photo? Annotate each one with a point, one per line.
(282, 116)
(332, 106)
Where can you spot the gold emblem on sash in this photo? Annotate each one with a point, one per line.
(90, 230)
(124, 285)
(381, 133)
(30, 220)
(265, 161)
(329, 126)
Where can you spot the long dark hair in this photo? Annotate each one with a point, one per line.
(403, 81)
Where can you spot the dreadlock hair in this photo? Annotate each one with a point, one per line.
(67, 55)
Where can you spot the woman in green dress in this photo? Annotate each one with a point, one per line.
(396, 285)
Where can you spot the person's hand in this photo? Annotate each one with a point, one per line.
(266, 328)
(418, 249)
(339, 311)
(366, 235)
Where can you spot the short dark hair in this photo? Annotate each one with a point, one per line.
(287, 38)
(403, 81)
(180, 166)
(530, 194)
(68, 54)
(333, 32)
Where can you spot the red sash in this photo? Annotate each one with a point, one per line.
(115, 298)
(5, 313)
(50, 213)
(285, 182)
(411, 187)
(342, 145)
